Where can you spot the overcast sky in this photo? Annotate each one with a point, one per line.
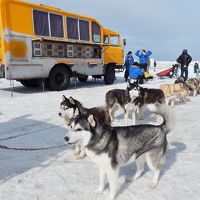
(165, 27)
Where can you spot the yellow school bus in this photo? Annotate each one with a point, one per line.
(39, 42)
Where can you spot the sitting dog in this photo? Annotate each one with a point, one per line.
(194, 85)
(111, 147)
(71, 108)
(125, 99)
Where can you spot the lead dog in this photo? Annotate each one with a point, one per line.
(125, 99)
(71, 108)
(111, 147)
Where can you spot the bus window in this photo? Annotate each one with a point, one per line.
(41, 23)
(84, 30)
(114, 40)
(56, 23)
(105, 39)
(72, 28)
(96, 32)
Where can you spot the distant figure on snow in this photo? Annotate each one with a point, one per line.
(129, 60)
(184, 59)
(154, 65)
(196, 67)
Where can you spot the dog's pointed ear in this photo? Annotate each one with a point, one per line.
(71, 100)
(91, 120)
(64, 98)
(128, 83)
(137, 82)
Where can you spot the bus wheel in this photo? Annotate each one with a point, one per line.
(32, 83)
(83, 79)
(59, 78)
(109, 76)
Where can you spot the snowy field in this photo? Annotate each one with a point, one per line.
(32, 116)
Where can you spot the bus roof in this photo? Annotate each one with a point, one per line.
(56, 10)
(109, 32)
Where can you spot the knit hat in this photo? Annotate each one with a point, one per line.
(130, 52)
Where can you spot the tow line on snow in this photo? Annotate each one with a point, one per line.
(3, 147)
(32, 149)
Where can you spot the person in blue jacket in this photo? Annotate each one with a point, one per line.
(129, 60)
(136, 73)
(143, 58)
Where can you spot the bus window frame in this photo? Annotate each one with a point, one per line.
(108, 39)
(34, 21)
(78, 26)
(99, 32)
(62, 23)
(118, 44)
(49, 24)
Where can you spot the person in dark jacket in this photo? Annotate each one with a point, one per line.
(136, 73)
(129, 60)
(184, 59)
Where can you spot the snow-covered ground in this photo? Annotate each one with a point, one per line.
(32, 116)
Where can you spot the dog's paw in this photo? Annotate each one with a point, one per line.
(77, 152)
(111, 196)
(99, 191)
(80, 157)
(129, 179)
(152, 185)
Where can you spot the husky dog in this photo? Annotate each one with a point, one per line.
(175, 91)
(125, 99)
(71, 108)
(149, 96)
(111, 147)
(180, 80)
(194, 85)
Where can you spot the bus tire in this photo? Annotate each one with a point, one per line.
(31, 83)
(59, 78)
(109, 76)
(83, 79)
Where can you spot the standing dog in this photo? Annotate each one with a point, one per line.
(71, 108)
(149, 96)
(125, 99)
(111, 147)
(174, 91)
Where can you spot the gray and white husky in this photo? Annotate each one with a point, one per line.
(111, 147)
(124, 98)
(71, 108)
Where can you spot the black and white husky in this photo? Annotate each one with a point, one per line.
(149, 96)
(71, 108)
(111, 147)
(125, 99)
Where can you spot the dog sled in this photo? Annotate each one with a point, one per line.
(170, 72)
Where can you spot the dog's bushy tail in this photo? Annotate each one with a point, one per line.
(168, 116)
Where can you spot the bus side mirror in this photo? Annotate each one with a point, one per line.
(124, 41)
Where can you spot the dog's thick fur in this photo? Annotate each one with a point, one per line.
(175, 91)
(125, 99)
(149, 96)
(194, 85)
(71, 108)
(111, 147)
